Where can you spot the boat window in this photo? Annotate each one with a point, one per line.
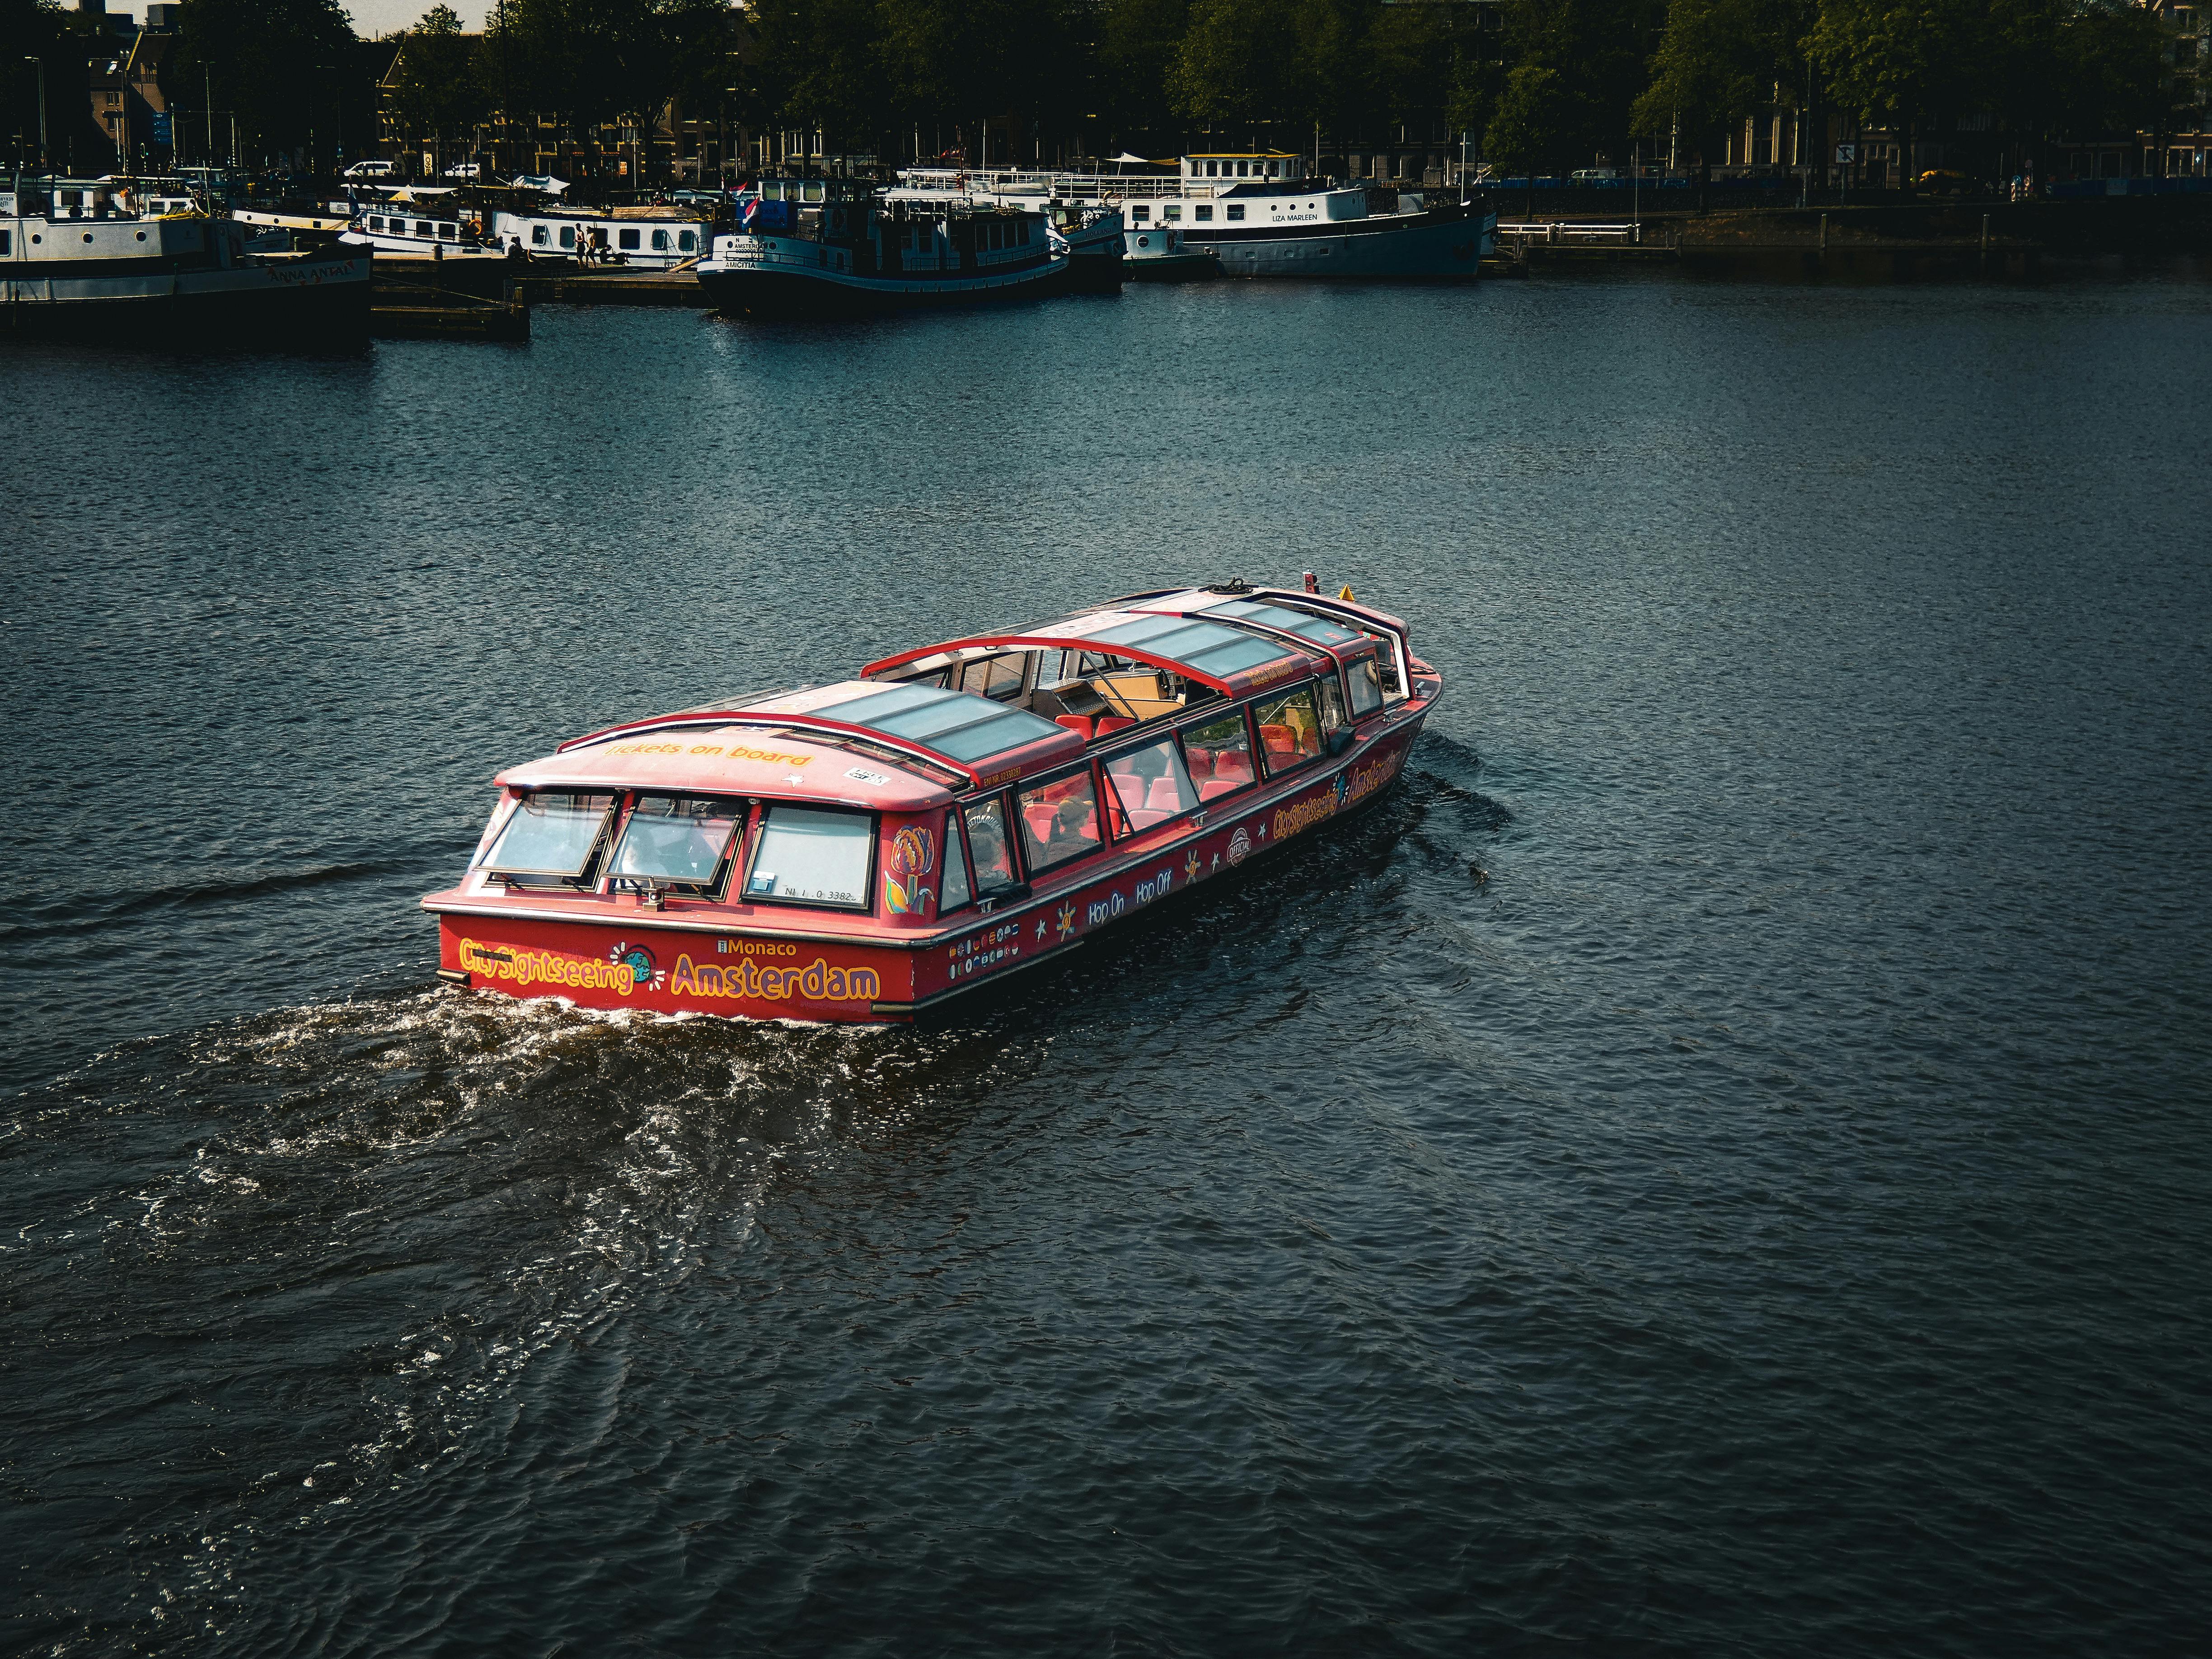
(1148, 786)
(953, 891)
(998, 678)
(1366, 687)
(805, 856)
(421, 227)
(1205, 213)
(552, 835)
(1218, 755)
(687, 242)
(679, 839)
(537, 236)
(1289, 733)
(1171, 212)
(1140, 213)
(627, 239)
(567, 236)
(1059, 822)
(1237, 209)
(1332, 704)
(446, 232)
(994, 857)
(661, 241)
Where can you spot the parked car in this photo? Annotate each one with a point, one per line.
(1943, 180)
(370, 170)
(468, 170)
(1596, 176)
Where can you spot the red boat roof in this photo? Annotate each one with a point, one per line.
(1195, 632)
(905, 744)
(724, 757)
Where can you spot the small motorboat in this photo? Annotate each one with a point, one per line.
(861, 851)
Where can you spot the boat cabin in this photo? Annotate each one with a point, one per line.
(950, 778)
(1220, 166)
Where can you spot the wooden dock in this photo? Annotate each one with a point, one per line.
(410, 311)
(615, 288)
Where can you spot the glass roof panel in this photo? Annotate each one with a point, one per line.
(1013, 730)
(866, 708)
(1295, 622)
(1139, 632)
(1179, 646)
(1242, 651)
(931, 718)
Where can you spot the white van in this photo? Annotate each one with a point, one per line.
(369, 170)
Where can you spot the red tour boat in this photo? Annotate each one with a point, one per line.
(860, 851)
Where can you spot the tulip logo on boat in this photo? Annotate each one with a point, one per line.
(913, 855)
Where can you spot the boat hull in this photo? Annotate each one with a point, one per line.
(297, 300)
(772, 288)
(1427, 246)
(668, 966)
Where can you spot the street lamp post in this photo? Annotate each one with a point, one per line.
(45, 161)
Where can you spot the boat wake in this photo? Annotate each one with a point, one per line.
(407, 1202)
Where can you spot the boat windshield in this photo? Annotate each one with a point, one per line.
(677, 838)
(552, 834)
(809, 857)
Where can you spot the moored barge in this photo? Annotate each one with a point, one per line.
(861, 851)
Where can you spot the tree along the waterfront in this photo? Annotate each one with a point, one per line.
(437, 92)
(288, 72)
(2046, 67)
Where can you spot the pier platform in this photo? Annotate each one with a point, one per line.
(615, 288)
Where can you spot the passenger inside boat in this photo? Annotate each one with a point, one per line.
(987, 839)
(1059, 822)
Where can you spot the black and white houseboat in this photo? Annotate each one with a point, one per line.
(832, 247)
(1088, 232)
(78, 258)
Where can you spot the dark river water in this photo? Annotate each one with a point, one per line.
(1718, 1162)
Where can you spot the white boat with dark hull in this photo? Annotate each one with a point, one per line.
(827, 248)
(642, 239)
(75, 259)
(1258, 214)
(1258, 220)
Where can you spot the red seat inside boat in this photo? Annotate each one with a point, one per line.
(1107, 723)
(1200, 762)
(1078, 724)
(1164, 797)
(1214, 787)
(1280, 739)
